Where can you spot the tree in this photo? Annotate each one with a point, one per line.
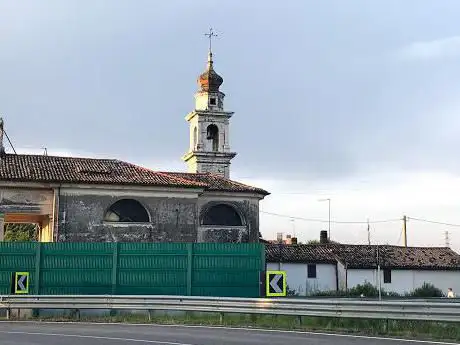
(21, 232)
(313, 242)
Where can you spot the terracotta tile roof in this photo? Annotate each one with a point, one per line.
(364, 256)
(217, 183)
(55, 169)
(299, 253)
(39, 168)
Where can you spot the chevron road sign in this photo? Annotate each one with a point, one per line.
(276, 283)
(21, 282)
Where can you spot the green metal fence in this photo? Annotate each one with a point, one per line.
(198, 269)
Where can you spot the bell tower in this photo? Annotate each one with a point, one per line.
(209, 150)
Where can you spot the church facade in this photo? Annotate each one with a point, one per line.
(107, 200)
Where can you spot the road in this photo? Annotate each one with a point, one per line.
(33, 333)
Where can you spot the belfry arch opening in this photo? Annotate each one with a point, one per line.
(223, 215)
(195, 138)
(127, 211)
(212, 133)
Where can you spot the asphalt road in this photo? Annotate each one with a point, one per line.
(31, 333)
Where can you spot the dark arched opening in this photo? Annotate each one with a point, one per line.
(222, 214)
(212, 133)
(127, 211)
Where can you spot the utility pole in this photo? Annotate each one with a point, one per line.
(368, 233)
(378, 274)
(329, 221)
(405, 230)
(446, 234)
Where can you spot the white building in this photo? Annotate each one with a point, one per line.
(402, 269)
(310, 268)
(326, 267)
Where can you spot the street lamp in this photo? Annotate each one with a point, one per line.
(329, 203)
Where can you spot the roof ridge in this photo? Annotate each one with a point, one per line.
(217, 178)
(189, 182)
(60, 156)
(192, 183)
(168, 175)
(227, 179)
(240, 184)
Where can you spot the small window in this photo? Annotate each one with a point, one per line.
(311, 271)
(387, 276)
(212, 101)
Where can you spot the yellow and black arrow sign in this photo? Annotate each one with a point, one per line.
(21, 282)
(276, 283)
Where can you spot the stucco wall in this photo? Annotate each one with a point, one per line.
(175, 217)
(407, 280)
(297, 277)
(26, 200)
(81, 219)
(357, 277)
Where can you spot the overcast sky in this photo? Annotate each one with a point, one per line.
(353, 100)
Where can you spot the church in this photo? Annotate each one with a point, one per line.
(107, 200)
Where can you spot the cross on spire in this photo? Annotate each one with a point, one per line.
(210, 35)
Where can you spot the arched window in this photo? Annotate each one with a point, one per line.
(127, 211)
(222, 214)
(212, 133)
(195, 136)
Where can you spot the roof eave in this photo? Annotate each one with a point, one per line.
(59, 182)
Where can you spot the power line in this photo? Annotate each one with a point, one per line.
(332, 221)
(433, 222)
(356, 222)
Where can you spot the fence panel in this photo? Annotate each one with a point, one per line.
(224, 269)
(17, 257)
(200, 269)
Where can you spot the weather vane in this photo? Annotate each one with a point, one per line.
(210, 35)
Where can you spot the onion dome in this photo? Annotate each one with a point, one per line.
(209, 80)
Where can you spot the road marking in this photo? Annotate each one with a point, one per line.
(224, 328)
(95, 337)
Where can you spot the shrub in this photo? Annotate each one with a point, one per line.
(366, 289)
(290, 292)
(427, 290)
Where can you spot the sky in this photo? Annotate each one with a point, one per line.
(355, 101)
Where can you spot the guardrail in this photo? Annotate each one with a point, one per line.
(398, 310)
